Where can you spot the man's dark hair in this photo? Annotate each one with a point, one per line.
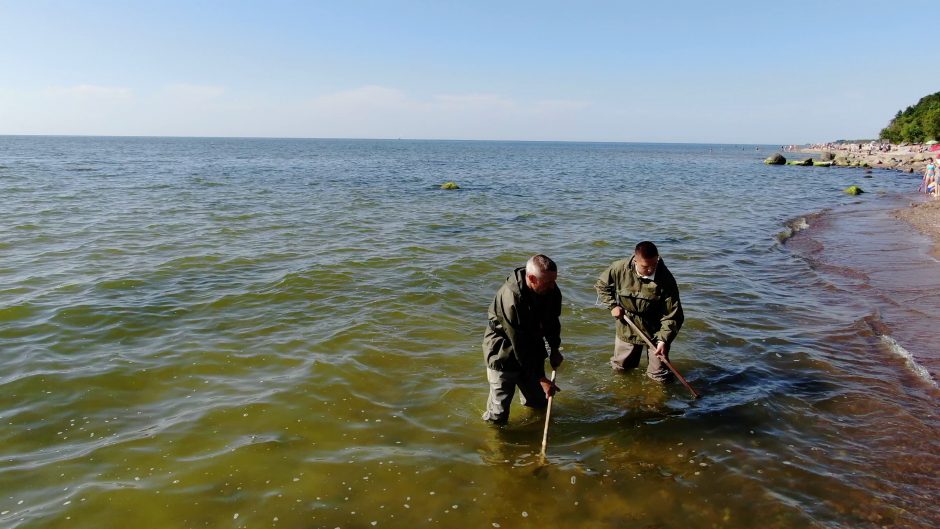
(541, 263)
(646, 250)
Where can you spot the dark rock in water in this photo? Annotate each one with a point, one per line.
(803, 163)
(853, 190)
(776, 159)
(868, 176)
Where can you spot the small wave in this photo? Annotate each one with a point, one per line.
(15, 312)
(206, 182)
(912, 364)
(794, 226)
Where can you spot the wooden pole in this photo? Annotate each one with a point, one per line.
(548, 414)
(652, 347)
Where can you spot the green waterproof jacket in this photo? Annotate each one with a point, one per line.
(652, 304)
(520, 322)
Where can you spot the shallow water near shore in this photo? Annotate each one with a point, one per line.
(286, 333)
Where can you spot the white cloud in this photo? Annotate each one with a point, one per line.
(91, 92)
(78, 109)
(383, 112)
(370, 111)
(193, 92)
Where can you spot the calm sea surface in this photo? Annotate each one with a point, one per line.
(286, 333)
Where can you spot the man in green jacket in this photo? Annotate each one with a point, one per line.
(522, 317)
(642, 288)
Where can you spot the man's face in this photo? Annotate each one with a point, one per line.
(543, 283)
(645, 266)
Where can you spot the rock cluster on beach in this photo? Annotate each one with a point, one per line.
(908, 159)
(778, 159)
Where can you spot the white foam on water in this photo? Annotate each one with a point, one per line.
(912, 364)
(791, 228)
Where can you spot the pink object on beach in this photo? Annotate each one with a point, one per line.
(935, 147)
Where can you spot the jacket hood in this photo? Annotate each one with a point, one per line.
(516, 281)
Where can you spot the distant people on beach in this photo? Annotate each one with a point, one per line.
(929, 185)
(936, 176)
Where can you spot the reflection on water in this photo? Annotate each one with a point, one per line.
(286, 333)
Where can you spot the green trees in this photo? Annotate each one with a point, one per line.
(915, 124)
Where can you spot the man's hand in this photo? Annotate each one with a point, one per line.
(661, 350)
(617, 312)
(549, 387)
(555, 359)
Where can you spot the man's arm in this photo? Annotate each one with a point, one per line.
(552, 330)
(672, 318)
(507, 313)
(606, 287)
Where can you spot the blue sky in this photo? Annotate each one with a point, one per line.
(667, 71)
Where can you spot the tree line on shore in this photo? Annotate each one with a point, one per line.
(915, 124)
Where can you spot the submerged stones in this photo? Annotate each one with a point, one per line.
(853, 190)
(776, 159)
(450, 185)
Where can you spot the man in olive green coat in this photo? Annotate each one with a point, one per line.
(642, 288)
(522, 317)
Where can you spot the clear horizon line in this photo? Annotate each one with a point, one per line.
(384, 139)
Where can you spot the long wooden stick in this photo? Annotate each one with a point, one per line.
(652, 347)
(548, 414)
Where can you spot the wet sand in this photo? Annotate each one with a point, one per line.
(925, 217)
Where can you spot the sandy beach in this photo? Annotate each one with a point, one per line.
(925, 217)
(912, 159)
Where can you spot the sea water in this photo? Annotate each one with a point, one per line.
(286, 333)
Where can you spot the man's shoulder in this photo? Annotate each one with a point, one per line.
(665, 278)
(620, 266)
(508, 289)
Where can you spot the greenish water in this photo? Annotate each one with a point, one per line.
(286, 333)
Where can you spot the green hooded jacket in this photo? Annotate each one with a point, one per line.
(520, 322)
(653, 304)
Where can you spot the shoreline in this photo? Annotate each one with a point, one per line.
(910, 159)
(925, 218)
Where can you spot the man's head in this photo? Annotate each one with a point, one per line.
(540, 274)
(645, 258)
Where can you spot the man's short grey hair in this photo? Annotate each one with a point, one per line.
(539, 264)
